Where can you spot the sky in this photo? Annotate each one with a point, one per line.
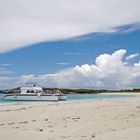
(70, 44)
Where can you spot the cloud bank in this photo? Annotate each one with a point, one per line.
(26, 22)
(110, 71)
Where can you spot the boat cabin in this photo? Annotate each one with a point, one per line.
(31, 90)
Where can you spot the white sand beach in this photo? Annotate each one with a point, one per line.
(72, 120)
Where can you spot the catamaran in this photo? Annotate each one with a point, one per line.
(35, 93)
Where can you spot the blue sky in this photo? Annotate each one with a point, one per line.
(50, 57)
(37, 46)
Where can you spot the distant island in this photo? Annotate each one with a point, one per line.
(76, 91)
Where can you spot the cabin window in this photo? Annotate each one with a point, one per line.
(28, 91)
(32, 91)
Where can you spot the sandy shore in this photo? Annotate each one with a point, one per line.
(79, 120)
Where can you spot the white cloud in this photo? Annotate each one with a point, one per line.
(108, 72)
(7, 82)
(4, 71)
(62, 63)
(26, 22)
(72, 53)
(132, 56)
(5, 65)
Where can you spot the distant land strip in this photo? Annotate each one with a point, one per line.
(75, 91)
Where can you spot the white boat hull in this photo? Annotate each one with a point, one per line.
(62, 97)
(31, 97)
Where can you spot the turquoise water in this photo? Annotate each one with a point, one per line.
(96, 96)
(71, 97)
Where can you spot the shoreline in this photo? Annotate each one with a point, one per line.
(9, 103)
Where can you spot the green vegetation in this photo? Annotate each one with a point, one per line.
(92, 91)
(130, 90)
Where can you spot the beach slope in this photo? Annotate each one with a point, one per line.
(72, 120)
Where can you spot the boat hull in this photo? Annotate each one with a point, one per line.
(62, 97)
(31, 97)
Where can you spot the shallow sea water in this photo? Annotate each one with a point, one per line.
(71, 97)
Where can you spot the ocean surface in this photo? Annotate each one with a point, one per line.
(71, 97)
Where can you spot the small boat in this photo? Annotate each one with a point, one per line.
(34, 93)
